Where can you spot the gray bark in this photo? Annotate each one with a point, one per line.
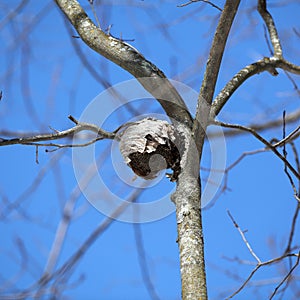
(128, 58)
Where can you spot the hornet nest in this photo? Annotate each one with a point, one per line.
(148, 146)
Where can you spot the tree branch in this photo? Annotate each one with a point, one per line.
(80, 126)
(205, 1)
(212, 69)
(266, 263)
(266, 64)
(128, 58)
(286, 277)
(262, 9)
(264, 141)
(72, 261)
(241, 232)
(290, 119)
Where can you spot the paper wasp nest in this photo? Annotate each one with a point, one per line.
(148, 146)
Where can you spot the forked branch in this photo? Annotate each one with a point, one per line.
(260, 264)
(128, 58)
(270, 64)
(265, 142)
(80, 126)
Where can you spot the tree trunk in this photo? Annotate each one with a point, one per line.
(189, 224)
(190, 238)
(187, 197)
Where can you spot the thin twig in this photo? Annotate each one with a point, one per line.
(245, 282)
(293, 227)
(286, 277)
(258, 266)
(67, 216)
(94, 13)
(70, 263)
(13, 13)
(40, 176)
(268, 41)
(285, 154)
(288, 138)
(276, 123)
(264, 141)
(143, 262)
(225, 186)
(296, 156)
(243, 237)
(59, 146)
(205, 1)
(37, 154)
(293, 82)
(80, 126)
(297, 196)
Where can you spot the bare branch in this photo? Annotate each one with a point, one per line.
(276, 123)
(143, 263)
(62, 228)
(289, 138)
(243, 237)
(236, 81)
(283, 143)
(293, 227)
(212, 69)
(59, 146)
(80, 126)
(84, 59)
(245, 282)
(128, 58)
(205, 1)
(225, 186)
(266, 64)
(268, 262)
(293, 82)
(264, 141)
(288, 66)
(297, 162)
(287, 276)
(262, 9)
(71, 262)
(40, 176)
(14, 12)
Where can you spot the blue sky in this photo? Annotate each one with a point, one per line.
(44, 80)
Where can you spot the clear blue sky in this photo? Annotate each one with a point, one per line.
(44, 80)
